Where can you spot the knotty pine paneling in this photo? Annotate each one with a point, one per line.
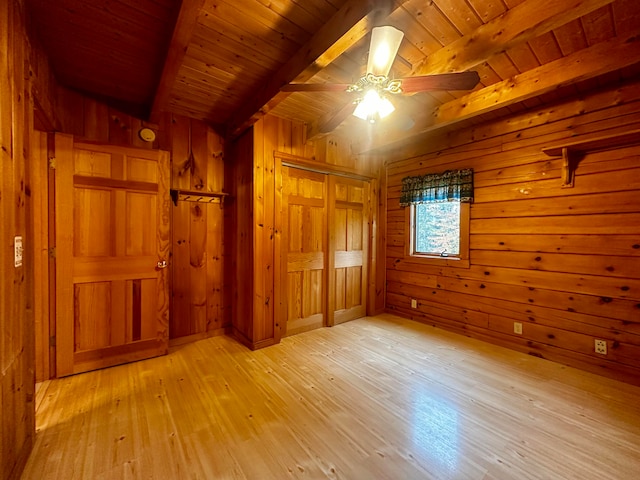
(92, 120)
(119, 49)
(257, 192)
(564, 262)
(200, 302)
(259, 302)
(241, 238)
(17, 384)
(38, 230)
(378, 224)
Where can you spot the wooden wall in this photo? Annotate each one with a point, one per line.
(257, 236)
(564, 262)
(17, 415)
(200, 304)
(259, 304)
(240, 236)
(30, 95)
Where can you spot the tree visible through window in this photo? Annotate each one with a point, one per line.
(438, 216)
(437, 229)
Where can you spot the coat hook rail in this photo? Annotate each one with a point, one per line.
(194, 196)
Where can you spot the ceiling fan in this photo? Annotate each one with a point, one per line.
(375, 88)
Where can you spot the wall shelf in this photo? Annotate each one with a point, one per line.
(196, 196)
(573, 152)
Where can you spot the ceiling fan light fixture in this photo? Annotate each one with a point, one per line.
(373, 107)
(385, 42)
(385, 108)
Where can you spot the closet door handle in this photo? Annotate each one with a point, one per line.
(162, 264)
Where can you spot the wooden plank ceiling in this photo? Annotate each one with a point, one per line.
(112, 50)
(224, 61)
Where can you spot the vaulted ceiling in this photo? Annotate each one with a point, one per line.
(225, 61)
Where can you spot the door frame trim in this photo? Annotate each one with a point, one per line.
(303, 163)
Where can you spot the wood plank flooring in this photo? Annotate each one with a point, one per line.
(375, 398)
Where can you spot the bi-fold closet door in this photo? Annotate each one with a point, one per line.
(325, 249)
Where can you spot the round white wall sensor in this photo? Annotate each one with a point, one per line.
(147, 134)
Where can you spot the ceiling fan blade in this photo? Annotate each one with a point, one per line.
(385, 42)
(402, 121)
(444, 81)
(315, 87)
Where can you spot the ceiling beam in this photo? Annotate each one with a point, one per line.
(182, 33)
(599, 59)
(329, 121)
(348, 25)
(520, 24)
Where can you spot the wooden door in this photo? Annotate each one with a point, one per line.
(112, 245)
(305, 241)
(349, 248)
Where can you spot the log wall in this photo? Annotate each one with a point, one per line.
(563, 262)
(17, 415)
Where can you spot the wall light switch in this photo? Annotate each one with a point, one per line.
(17, 250)
(414, 303)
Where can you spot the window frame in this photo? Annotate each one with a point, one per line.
(460, 261)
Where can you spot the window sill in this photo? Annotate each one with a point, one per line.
(439, 261)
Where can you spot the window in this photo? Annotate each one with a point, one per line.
(437, 229)
(438, 217)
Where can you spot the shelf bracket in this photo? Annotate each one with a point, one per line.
(569, 165)
(572, 153)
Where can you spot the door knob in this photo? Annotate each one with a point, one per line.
(162, 264)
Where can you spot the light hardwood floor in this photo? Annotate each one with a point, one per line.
(376, 398)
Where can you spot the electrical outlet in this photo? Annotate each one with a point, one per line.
(601, 346)
(414, 303)
(517, 328)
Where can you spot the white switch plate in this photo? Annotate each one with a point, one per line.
(517, 328)
(414, 303)
(17, 250)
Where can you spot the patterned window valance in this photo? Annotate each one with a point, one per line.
(438, 187)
